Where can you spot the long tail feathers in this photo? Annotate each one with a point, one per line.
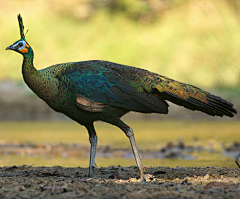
(179, 93)
(194, 98)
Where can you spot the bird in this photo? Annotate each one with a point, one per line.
(96, 90)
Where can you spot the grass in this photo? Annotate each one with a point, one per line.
(151, 135)
(204, 160)
(155, 132)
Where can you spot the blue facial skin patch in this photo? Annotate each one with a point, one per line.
(23, 46)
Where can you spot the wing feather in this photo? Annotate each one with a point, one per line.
(95, 82)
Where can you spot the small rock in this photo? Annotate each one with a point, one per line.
(159, 172)
(185, 181)
(115, 175)
(218, 185)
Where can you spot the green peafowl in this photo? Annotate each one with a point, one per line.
(96, 90)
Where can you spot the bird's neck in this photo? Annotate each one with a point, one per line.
(29, 72)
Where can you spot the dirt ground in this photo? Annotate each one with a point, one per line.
(119, 182)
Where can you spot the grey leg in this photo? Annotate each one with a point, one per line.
(129, 133)
(93, 141)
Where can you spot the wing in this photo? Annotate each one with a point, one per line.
(96, 87)
(179, 93)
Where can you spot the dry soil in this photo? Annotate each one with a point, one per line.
(119, 182)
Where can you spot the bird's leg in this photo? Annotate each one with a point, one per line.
(93, 141)
(129, 133)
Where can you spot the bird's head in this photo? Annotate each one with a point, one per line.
(20, 46)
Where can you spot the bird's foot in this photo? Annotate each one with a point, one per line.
(90, 174)
(142, 175)
(143, 179)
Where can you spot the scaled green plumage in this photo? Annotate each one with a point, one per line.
(99, 90)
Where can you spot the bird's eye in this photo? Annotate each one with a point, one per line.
(20, 44)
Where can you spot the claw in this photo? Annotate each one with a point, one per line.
(90, 175)
(143, 179)
(142, 176)
(91, 171)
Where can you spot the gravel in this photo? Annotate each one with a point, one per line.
(119, 182)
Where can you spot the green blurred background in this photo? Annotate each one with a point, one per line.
(193, 41)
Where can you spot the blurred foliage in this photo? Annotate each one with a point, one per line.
(195, 41)
(141, 10)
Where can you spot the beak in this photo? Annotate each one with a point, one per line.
(10, 47)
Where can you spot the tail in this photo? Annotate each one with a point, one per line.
(179, 93)
(192, 97)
